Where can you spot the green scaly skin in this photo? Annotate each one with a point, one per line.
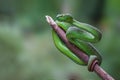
(80, 34)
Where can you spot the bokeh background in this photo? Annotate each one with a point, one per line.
(27, 51)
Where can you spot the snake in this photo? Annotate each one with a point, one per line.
(80, 34)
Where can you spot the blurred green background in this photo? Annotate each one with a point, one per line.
(27, 51)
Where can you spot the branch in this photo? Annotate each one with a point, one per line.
(97, 69)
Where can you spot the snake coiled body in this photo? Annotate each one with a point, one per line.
(79, 34)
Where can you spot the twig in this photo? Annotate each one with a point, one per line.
(97, 69)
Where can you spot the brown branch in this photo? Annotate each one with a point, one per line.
(97, 69)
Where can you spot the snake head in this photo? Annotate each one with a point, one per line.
(64, 18)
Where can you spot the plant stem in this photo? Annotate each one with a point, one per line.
(97, 69)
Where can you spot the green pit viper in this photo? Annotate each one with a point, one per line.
(79, 34)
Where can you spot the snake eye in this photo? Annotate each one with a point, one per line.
(65, 18)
